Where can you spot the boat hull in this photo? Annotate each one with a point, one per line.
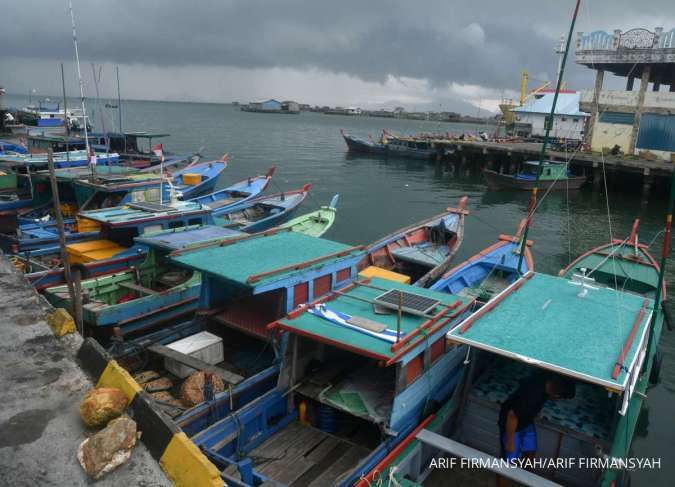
(507, 181)
(354, 144)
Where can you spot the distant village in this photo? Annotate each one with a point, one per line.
(293, 107)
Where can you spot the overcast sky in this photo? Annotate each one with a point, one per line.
(424, 54)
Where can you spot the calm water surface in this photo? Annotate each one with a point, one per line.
(378, 196)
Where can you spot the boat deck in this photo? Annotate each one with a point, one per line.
(302, 456)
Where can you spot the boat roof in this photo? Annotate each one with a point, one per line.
(111, 183)
(184, 237)
(275, 256)
(356, 301)
(83, 172)
(545, 322)
(137, 212)
(546, 163)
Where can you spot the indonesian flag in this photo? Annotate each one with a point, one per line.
(92, 156)
(225, 158)
(158, 150)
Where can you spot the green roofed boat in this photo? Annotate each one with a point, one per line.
(554, 176)
(597, 325)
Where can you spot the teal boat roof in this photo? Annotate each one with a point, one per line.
(84, 172)
(180, 238)
(547, 323)
(262, 254)
(351, 302)
(131, 213)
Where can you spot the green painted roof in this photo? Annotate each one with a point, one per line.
(547, 324)
(237, 262)
(308, 323)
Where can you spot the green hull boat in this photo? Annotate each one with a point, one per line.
(316, 223)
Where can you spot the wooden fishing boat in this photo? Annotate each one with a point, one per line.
(409, 147)
(554, 176)
(490, 271)
(197, 179)
(363, 146)
(247, 283)
(235, 196)
(315, 223)
(263, 212)
(421, 251)
(8, 182)
(616, 353)
(141, 296)
(353, 384)
(61, 159)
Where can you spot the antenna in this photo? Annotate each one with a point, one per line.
(560, 51)
(79, 77)
(119, 98)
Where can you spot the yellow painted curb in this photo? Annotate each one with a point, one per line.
(116, 376)
(61, 322)
(187, 466)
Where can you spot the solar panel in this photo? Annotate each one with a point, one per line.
(146, 206)
(412, 303)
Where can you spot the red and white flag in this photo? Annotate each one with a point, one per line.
(225, 158)
(92, 156)
(158, 150)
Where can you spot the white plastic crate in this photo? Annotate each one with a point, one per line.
(203, 345)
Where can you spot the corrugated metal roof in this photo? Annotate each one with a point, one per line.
(568, 104)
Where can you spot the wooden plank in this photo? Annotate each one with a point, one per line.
(457, 449)
(340, 466)
(322, 458)
(195, 363)
(136, 287)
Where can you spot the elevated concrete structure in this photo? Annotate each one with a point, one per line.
(617, 116)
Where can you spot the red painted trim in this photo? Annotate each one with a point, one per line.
(633, 233)
(328, 297)
(491, 305)
(629, 340)
(431, 331)
(396, 346)
(367, 480)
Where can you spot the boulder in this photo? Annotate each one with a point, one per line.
(192, 390)
(101, 405)
(161, 384)
(109, 448)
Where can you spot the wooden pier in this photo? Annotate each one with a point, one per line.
(506, 157)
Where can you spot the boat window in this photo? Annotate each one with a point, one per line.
(300, 294)
(414, 368)
(176, 224)
(548, 172)
(437, 349)
(342, 275)
(321, 286)
(194, 221)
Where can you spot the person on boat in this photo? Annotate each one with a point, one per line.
(517, 433)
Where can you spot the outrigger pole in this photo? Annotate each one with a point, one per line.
(548, 125)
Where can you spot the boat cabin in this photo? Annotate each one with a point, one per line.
(358, 374)
(594, 336)
(124, 223)
(550, 170)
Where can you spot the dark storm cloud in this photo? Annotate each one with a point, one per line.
(485, 43)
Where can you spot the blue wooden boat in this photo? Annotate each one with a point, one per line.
(421, 251)
(235, 196)
(353, 385)
(490, 271)
(147, 295)
(197, 179)
(11, 148)
(264, 212)
(61, 159)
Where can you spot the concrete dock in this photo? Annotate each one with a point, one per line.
(42, 385)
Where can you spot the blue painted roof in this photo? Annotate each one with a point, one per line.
(184, 237)
(568, 104)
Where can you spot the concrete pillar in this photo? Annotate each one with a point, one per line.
(599, 78)
(629, 83)
(644, 81)
(647, 181)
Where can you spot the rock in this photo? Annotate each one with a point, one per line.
(101, 405)
(192, 390)
(61, 322)
(167, 398)
(161, 384)
(146, 376)
(109, 448)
